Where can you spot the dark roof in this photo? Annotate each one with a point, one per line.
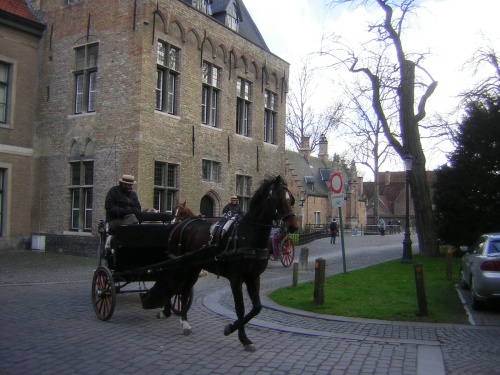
(246, 27)
(310, 174)
(22, 15)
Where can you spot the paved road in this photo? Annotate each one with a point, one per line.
(47, 326)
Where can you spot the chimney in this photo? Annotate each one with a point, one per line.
(305, 149)
(323, 149)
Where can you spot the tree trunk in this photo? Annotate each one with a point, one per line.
(426, 230)
(422, 203)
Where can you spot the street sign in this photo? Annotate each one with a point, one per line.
(336, 183)
(338, 200)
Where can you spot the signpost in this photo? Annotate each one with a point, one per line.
(336, 185)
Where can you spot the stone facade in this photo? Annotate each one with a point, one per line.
(20, 33)
(78, 154)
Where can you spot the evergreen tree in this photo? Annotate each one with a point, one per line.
(467, 191)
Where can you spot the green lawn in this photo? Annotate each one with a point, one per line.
(386, 291)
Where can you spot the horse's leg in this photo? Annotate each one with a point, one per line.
(253, 288)
(192, 278)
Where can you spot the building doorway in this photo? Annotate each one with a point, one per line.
(207, 206)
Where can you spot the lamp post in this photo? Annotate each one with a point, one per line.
(302, 199)
(407, 255)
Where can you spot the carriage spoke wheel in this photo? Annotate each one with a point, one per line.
(103, 293)
(175, 302)
(287, 251)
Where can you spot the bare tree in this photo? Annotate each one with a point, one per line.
(488, 87)
(303, 118)
(362, 129)
(410, 91)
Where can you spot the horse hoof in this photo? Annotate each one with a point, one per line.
(161, 315)
(250, 348)
(187, 331)
(227, 330)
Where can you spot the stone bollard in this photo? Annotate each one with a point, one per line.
(449, 253)
(319, 281)
(304, 257)
(419, 282)
(295, 279)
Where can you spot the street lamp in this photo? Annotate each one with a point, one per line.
(407, 255)
(302, 197)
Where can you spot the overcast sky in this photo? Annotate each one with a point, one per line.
(451, 30)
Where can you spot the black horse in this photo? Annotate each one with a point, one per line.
(240, 254)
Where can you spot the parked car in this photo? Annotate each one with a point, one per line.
(480, 269)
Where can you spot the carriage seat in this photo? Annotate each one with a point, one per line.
(162, 217)
(141, 245)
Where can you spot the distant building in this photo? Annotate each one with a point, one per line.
(309, 179)
(392, 198)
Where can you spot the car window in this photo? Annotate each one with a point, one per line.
(477, 247)
(494, 247)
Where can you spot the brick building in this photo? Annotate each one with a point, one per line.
(309, 180)
(183, 94)
(392, 198)
(21, 28)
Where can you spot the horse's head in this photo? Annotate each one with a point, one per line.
(182, 212)
(280, 201)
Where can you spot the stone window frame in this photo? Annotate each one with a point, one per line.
(5, 92)
(211, 170)
(243, 190)
(243, 106)
(166, 177)
(85, 73)
(211, 76)
(167, 66)
(81, 195)
(270, 116)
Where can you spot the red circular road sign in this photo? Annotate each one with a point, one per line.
(336, 183)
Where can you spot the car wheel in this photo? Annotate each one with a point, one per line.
(476, 304)
(461, 280)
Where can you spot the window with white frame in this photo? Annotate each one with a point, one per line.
(210, 170)
(210, 76)
(81, 191)
(4, 91)
(86, 78)
(243, 185)
(203, 5)
(232, 16)
(165, 186)
(317, 217)
(270, 114)
(243, 105)
(167, 78)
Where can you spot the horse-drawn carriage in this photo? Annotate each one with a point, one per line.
(136, 253)
(281, 246)
(173, 256)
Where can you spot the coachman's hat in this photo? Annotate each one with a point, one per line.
(127, 179)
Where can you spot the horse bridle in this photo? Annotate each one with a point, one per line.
(292, 201)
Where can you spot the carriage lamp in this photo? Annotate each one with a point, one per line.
(302, 197)
(407, 255)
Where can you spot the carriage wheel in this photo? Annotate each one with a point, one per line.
(103, 293)
(287, 251)
(175, 302)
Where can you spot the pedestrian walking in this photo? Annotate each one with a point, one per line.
(334, 230)
(381, 226)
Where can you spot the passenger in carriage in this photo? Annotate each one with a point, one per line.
(232, 208)
(122, 203)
